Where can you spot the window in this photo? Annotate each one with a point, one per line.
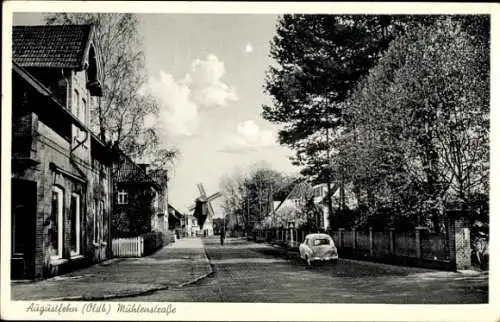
(94, 222)
(98, 221)
(75, 224)
(122, 197)
(321, 241)
(100, 231)
(56, 223)
(318, 192)
(193, 221)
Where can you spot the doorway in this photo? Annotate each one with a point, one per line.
(23, 214)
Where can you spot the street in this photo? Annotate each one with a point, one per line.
(244, 271)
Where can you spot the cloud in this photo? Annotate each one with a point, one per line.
(181, 100)
(248, 48)
(204, 81)
(178, 115)
(249, 136)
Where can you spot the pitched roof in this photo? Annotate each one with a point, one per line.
(172, 211)
(130, 172)
(54, 46)
(300, 191)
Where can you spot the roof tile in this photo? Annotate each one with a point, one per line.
(55, 46)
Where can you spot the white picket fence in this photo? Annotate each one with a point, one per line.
(128, 247)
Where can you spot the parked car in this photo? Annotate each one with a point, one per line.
(318, 248)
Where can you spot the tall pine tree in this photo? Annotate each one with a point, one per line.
(319, 60)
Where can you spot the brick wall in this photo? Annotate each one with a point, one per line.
(58, 167)
(459, 239)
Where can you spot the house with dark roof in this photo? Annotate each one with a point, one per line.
(291, 208)
(294, 205)
(140, 200)
(61, 172)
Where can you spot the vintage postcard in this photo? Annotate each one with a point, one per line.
(249, 161)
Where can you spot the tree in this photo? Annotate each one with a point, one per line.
(119, 116)
(419, 123)
(233, 205)
(249, 197)
(319, 60)
(447, 88)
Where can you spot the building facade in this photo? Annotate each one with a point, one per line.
(140, 201)
(61, 172)
(191, 226)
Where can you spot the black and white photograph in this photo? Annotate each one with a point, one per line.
(156, 158)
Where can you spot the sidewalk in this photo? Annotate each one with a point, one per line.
(174, 265)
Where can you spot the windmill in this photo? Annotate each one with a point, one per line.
(203, 210)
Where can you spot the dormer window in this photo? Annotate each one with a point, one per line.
(318, 191)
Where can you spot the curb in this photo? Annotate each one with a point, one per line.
(199, 278)
(111, 261)
(109, 296)
(472, 272)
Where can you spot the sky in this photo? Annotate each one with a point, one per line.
(207, 72)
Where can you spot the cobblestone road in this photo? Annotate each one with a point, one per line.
(250, 272)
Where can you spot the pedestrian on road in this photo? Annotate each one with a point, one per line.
(222, 236)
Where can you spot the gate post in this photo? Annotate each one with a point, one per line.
(459, 239)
